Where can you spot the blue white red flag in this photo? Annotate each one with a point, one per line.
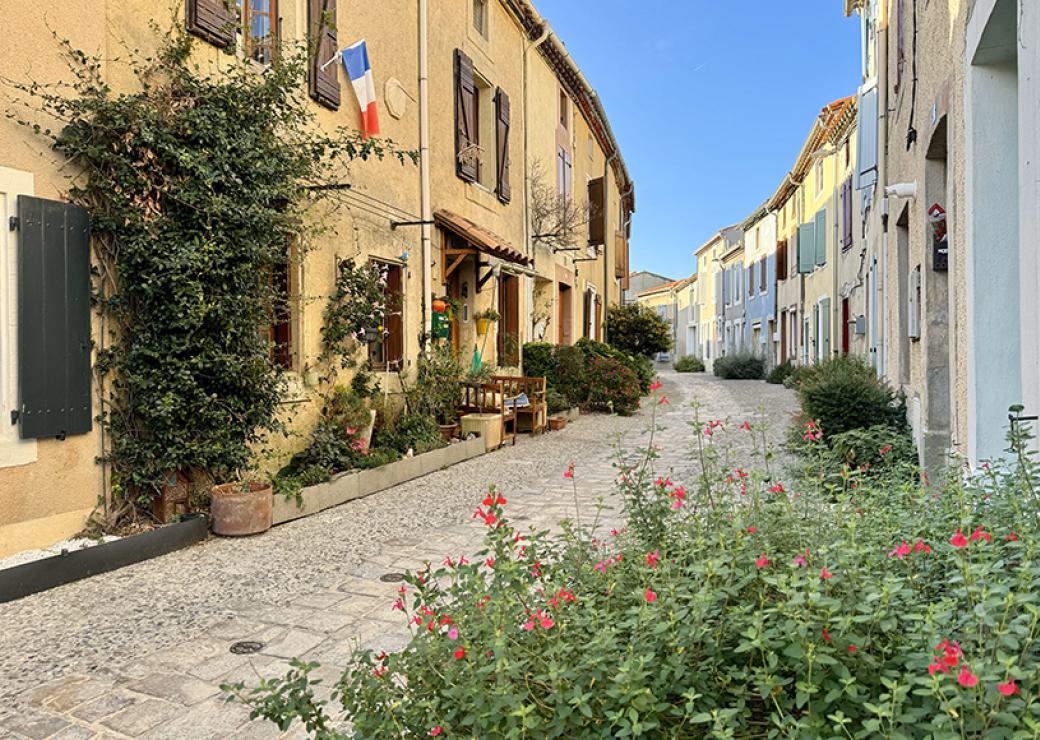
(355, 60)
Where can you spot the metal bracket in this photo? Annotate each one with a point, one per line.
(395, 224)
(482, 280)
(14, 223)
(14, 416)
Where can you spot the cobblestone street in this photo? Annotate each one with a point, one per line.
(141, 652)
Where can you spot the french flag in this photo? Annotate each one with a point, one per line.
(355, 59)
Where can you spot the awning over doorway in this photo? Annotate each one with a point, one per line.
(479, 238)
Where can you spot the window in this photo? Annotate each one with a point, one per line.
(480, 17)
(279, 331)
(762, 275)
(387, 352)
(819, 176)
(751, 280)
(260, 29)
(592, 149)
(564, 172)
(564, 111)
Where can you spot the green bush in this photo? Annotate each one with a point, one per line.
(637, 329)
(612, 386)
(570, 375)
(844, 393)
(741, 365)
(556, 401)
(538, 359)
(643, 367)
(780, 373)
(416, 432)
(689, 364)
(903, 612)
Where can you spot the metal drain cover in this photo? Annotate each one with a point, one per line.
(247, 647)
(392, 577)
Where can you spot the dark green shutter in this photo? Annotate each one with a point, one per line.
(806, 248)
(821, 237)
(53, 318)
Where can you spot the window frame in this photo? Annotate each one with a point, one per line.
(481, 10)
(247, 42)
(390, 340)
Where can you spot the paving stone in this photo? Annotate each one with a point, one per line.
(319, 600)
(33, 723)
(235, 629)
(214, 719)
(175, 687)
(141, 717)
(104, 705)
(293, 644)
(74, 732)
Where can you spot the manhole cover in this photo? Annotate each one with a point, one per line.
(392, 577)
(246, 647)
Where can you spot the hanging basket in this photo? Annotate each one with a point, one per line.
(483, 327)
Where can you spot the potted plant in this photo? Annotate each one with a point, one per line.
(438, 389)
(485, 319)
(241, 508)
(556, 423)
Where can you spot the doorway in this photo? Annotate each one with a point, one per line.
(564, 313)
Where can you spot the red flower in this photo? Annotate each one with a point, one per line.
(936, 667)
(436, 731)
(853, 648)
(398, 606)
(459, 654)
(752, 530)
(778, 488)
(1011, 537)
(657, 386)
(959, 540)
(569, 473)
(966, 678)
(826, 634)
(762, 561)
(744, 425)
(1007, 689)
(489, 562)
(664, 400)
(652, 558)
(885, 450)
(491, 500)
(979, 534)
(825, 574)
(901, 550)
(650, 596)
(921, 546)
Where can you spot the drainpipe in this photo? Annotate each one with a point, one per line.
(426, 233)
(527, 183)
(882, 73)
(606, 240)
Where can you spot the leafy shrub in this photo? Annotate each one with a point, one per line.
(538, 359)
(638, 330)
(907, 612)
(875, 446)
(612, 386)
(844, 393)
(689, 364)
(416, 432)
(779, 374)
(641, 366)
(556, 401)
(570, 375)
(739, 366)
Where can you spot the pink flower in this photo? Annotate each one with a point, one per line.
(966, 678)
(1007, 689)
(885, 450)
(936, 667)
(762, 561)
(657, 386)
(649, 595)
(825, 574)
(652, 558)
(778, 488)
(527, 626)
(676, 505)
(569, 473)
(453, 633)
(799, 561)
(546, 622)
(397, 606)
(900, 551)
(921, 546)
(959, 540)
(436, 731)
(600, 566)
(664, 400)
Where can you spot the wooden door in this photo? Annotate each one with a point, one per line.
(845, 326)
(564, 314)
(509, 321)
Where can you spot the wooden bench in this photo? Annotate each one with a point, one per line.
(536, 412)
(490, 398)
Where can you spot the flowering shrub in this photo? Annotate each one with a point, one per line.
(733, 606)
(845, 393)
(612, 386)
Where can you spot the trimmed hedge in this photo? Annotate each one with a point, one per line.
(689, 364)
(740, 366)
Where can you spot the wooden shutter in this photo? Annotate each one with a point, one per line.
(509, 321)
(597, 200)
(502, 188)
(762, 275)
(825, 328)
(395, 316)
(465, 118)
(781, 259)
(53, 318)
(211, 20)
(847, 214)
(806, 248)
(323, 85)
(821, 237)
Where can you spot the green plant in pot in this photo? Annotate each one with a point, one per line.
(438, 388)
(485, 319)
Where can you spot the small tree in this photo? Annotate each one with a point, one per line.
(636, 329)
(558, 222)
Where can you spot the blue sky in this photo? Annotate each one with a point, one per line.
(710, 101)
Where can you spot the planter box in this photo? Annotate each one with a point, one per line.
(358, 484)
(40, 575)
(486, 426)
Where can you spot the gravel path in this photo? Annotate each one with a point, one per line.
(141, 651)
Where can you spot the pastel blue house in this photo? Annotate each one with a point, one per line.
(760, 327)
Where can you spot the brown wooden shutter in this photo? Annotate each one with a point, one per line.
(509, 321)
(211, 20)
(395, 319)
(597, 200)
(323, 85)
(465, 117)
(502, 189)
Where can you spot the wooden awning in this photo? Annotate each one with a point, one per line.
(479, 238)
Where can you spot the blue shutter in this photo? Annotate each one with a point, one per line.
(821, 237)
(806, 248)
(825, 328)
(53, 318)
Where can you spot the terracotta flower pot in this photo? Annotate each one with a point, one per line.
(239, 509)
(448, 431)
(556, 423)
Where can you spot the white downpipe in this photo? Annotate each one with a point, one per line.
(426, 233)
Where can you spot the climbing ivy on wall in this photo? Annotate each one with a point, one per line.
(197, 182)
